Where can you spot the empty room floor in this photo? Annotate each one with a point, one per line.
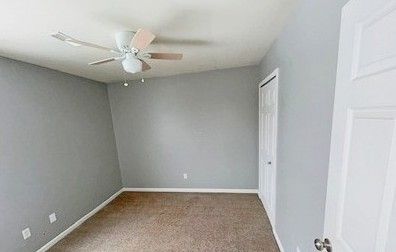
(137, 221)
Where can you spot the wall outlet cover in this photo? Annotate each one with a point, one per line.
(185, 176)
(52, 217)
(26, 233)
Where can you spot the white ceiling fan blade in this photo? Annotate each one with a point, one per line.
(166, 56)
(142, 39)
(75, 42)
(145, 66)
(93, 46)
(103, 61)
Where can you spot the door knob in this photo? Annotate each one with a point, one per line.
(323, 245)
(269, 162)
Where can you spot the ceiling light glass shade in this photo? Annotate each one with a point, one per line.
(132, 65)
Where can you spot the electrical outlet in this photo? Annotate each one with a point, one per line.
(185, 176)
(52, 218)
(26, 233)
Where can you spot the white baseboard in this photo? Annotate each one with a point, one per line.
(278, 241)
(197, 190)
(78, 223)
(265, 207)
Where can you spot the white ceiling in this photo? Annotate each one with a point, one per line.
(212, 34)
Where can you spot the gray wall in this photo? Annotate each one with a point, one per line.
(203, 124)
(57, 152)
(306, 53)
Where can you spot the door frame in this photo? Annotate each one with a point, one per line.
(274, 76)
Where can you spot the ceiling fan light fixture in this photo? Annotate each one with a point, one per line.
(132, 65)
(130, 50)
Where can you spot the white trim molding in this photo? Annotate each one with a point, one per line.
(278, 241)
(196, 190)
(78, 223)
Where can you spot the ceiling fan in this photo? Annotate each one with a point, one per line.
(130, 45)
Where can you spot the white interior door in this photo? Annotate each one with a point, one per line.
(360, 204)
(268, 117)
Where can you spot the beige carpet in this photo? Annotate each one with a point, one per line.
(175, 222)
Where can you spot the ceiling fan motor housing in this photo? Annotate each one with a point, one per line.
(123, 40)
